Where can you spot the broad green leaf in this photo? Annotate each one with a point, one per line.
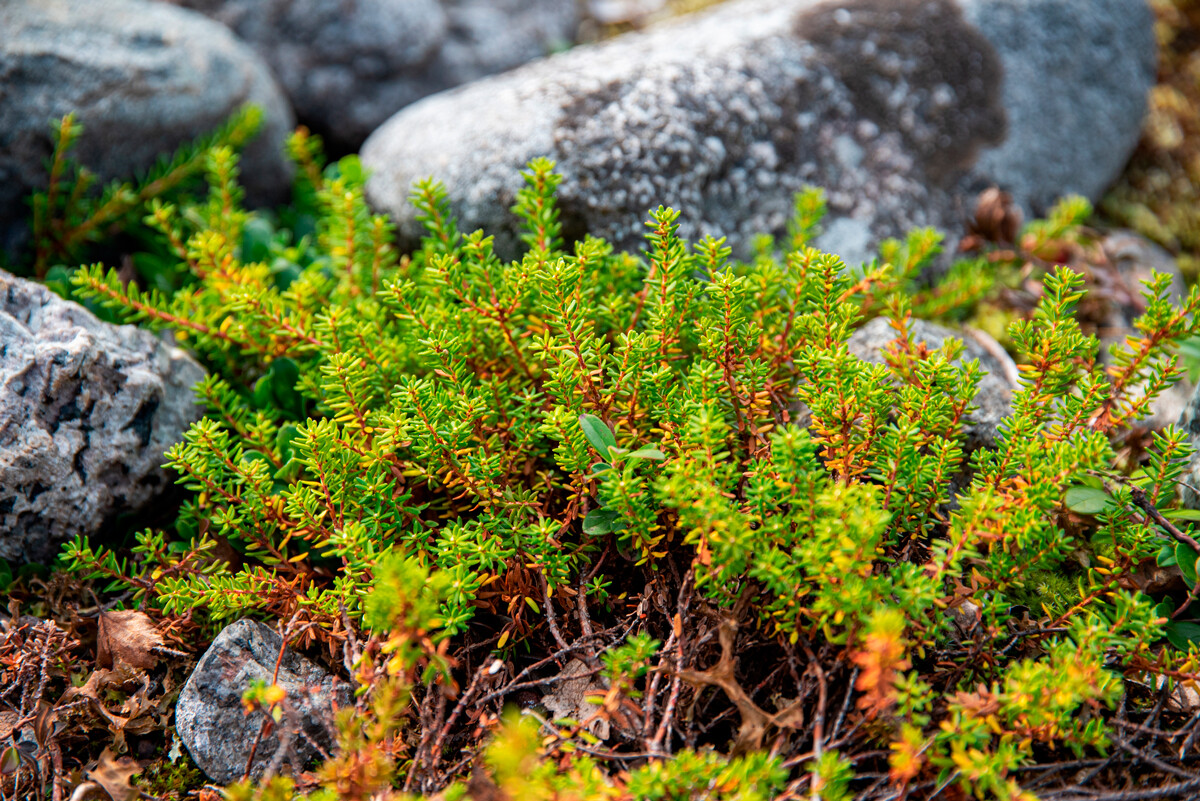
(290, 470)
(597, 433)
(1166, 556)
(648, 453)
(599, 469)
(600, 521)
(1186, 558)
(1182, 514)
(256, 240)
(1181, 633)
(283, 440)
(1086, 500)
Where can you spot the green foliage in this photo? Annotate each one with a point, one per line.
(67, 215)
(579, 450)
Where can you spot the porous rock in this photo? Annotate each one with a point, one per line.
(901, 109)
(993, 396)
(142, 78)
(348, 65)
(86, 411)
(212, 722)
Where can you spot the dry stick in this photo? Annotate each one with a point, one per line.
(685, 599)
(585, 620)
(515, 684)
(1139, 497)
(1084, 794)
(652, 690)
(1141, 501)
(837, 724)
(427, 717)
(436, 756)
(551, 618)
(1153, 760)
(1192, 735)
(819, 721)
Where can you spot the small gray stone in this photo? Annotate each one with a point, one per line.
(142, 78)
(1000, 378)
(348, 65)
(86, 411)
(213, 725)
(901, 109)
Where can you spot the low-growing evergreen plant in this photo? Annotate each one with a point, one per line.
(483, 479)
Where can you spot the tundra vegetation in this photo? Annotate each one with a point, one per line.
(468, 483)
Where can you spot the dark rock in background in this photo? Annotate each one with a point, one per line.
(213, 725)
(142, 78)
(901, 109)
(86, 411)
(348, 65)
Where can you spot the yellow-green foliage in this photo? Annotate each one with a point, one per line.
(586, 455)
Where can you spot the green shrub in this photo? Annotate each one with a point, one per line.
(466, 471)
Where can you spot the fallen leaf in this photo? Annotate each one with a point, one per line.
(997, 217)
(90, 791)
(127, 637)
(113, 774)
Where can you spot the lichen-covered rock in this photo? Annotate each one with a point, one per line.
(142, 78)
(348, 65)
(212, 722)
(993, 397)
(86, 411)
(901, 109)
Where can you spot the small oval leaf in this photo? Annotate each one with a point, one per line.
(597, 433)
(1086, 500)
(1186, 558)
(600, 521)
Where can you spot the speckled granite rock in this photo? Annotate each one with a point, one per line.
(86, 411)
(902, 109)
(993, 397)
(142, 78)
(210, 719)
(348, 65)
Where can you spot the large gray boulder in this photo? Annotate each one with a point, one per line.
(86, 411)
(901, 109)
(142, 78)
(212, 722)
(348, 65)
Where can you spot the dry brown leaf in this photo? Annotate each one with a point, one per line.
(90, 791)
(127, 637)
(93, 689)
(113, 774)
